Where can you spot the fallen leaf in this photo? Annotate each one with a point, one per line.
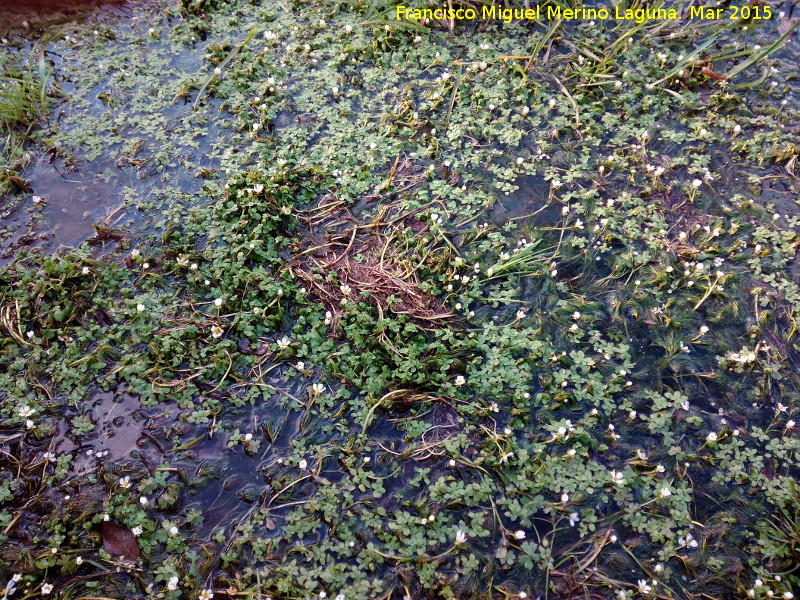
(119, 541)
(785, 25)
(714, 75)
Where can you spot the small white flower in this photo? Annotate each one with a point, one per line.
(643, 587)
(303, 464)
(140, 307)
(711, 437)
(696, 183)
(216, 331)
(46, 588)
(317, 388)
(85, 270)
(79, 560)
(461, 537)
(460, 380)
(573, 518)
(284, 343)
(519, 534)
(137, 531)
(617, 478)
(218, 302)
(173, 531)
(345, 289)
(26, 411)
(172, 584)
(125, 482)
(143, 500)
(206, 595)
(664, 493)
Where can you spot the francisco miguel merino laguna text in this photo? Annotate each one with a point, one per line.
(507, 15)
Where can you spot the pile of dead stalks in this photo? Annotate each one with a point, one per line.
(343, 262)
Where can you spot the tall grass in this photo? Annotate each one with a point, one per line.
(23, 96)
(23, 102)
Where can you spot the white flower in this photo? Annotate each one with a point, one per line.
(519, 534)
(218, 302)
(616, 477)
(711, 437)
(137, 531)
(345, 289)
(317, 388)
(125, 482)
(46, 588)
(172, 584)
(658, 568)
(216, 331)
(182, 261)
(284, 343)
(460, 380)
(704, 329)
(140, 307)
(173, 530)
(461, 537)
(30, 334)
(135, 252)
(143, 500)
(206, 595)
(564, 498)
(85, 270)
(340, 596)
(689, 542)
(664, 493)
(328, 317)
(696, 183)
(26, 411)
(643, 587)
(79, 560)
(303, 464)
(573, 518)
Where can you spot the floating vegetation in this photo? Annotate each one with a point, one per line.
(402, 309)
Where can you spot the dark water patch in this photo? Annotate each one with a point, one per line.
(64, 204)
(530, 203)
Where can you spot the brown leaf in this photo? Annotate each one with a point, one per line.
(785, 25)
(119, 541)
(714, 75)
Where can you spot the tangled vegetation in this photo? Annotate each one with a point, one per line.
(403, 311)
